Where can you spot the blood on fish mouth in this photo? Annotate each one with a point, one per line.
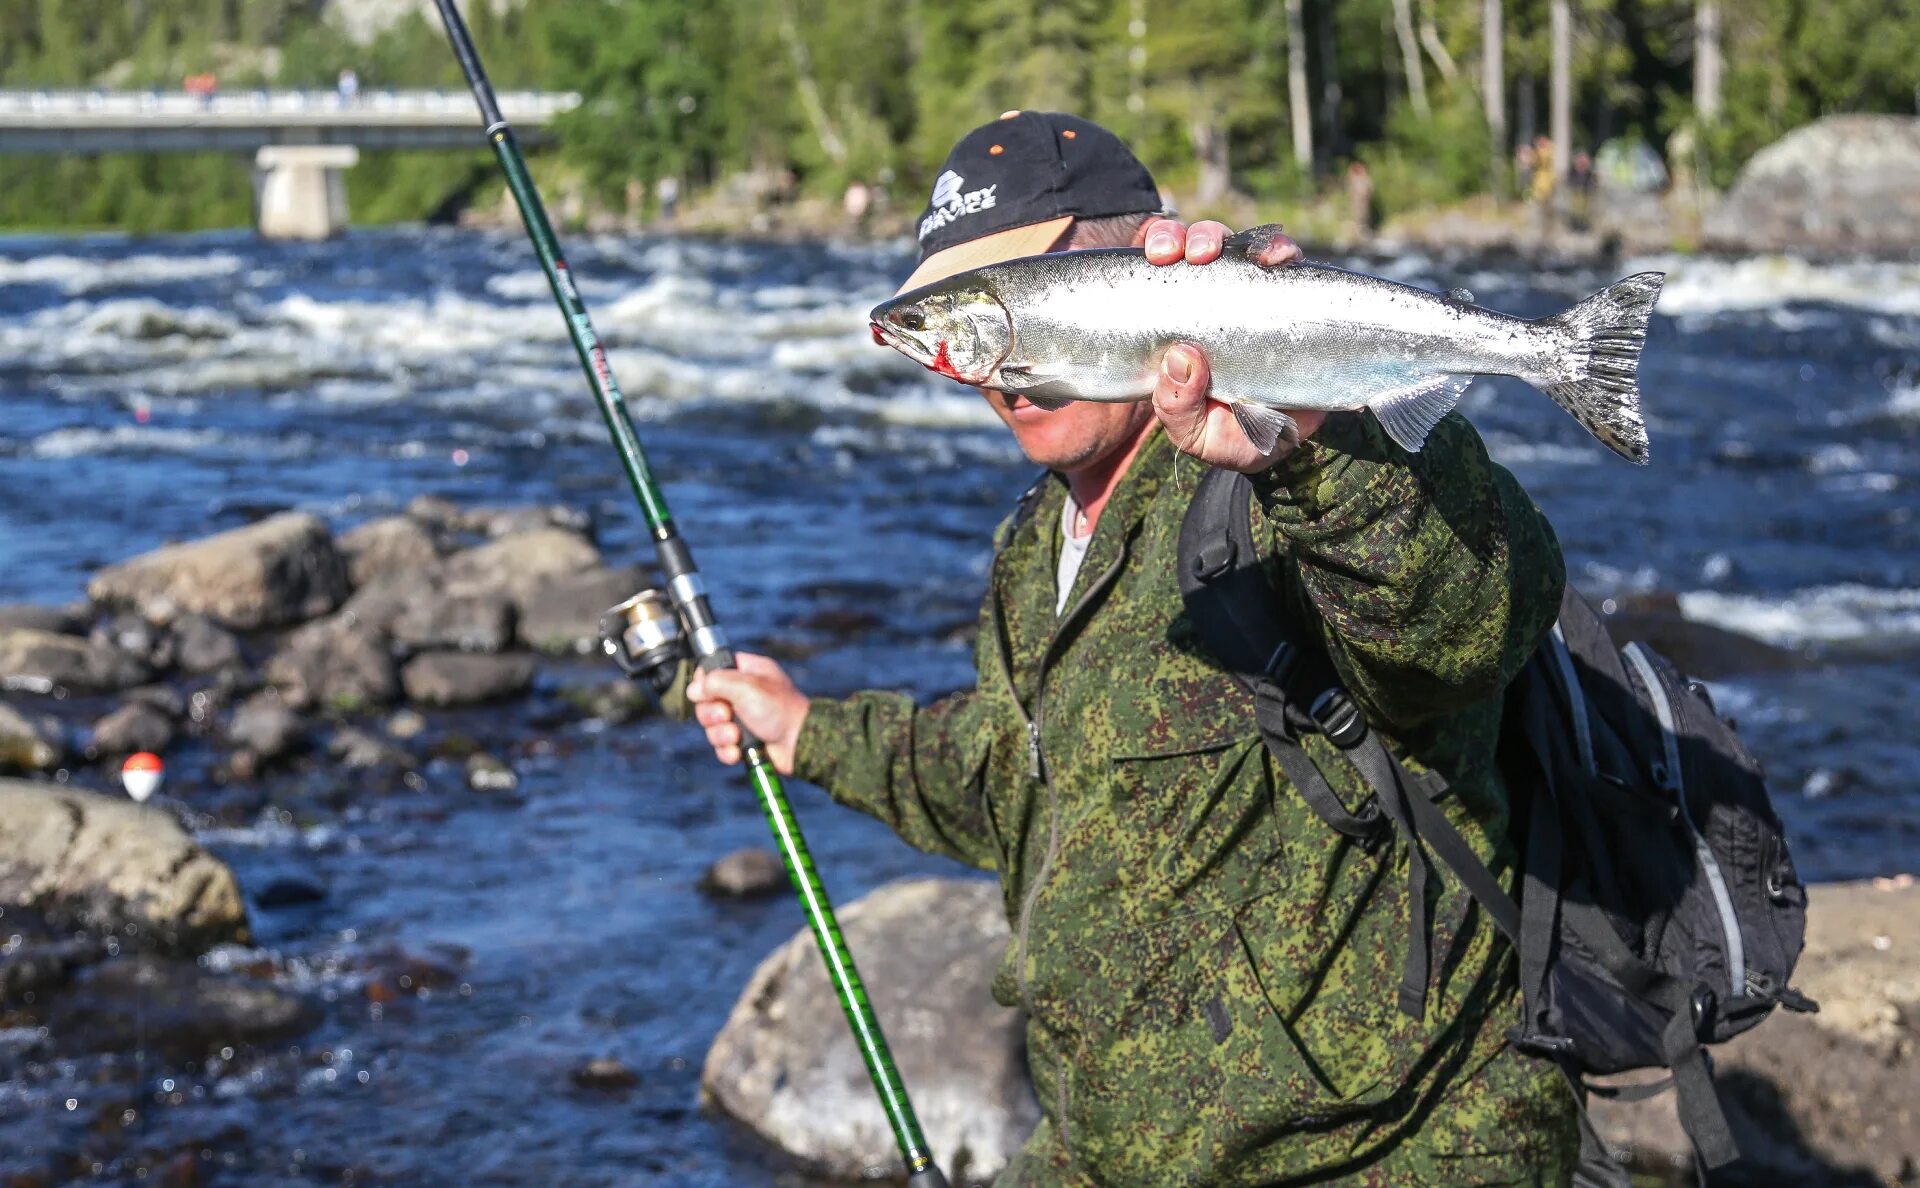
(942, 363)
(879, 338)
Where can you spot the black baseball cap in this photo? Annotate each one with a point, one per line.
(1010, 188)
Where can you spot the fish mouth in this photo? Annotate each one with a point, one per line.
(886, 336)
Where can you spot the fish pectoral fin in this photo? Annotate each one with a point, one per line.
(1043, 389)
(1265, 426)
(1046, 403)
(1254, 240)
(1409, 414)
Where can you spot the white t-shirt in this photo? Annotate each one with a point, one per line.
(1073, 550)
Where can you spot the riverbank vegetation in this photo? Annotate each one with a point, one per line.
(756, 103)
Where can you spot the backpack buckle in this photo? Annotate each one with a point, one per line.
(1338, 717)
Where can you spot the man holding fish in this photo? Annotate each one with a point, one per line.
(1208, 970)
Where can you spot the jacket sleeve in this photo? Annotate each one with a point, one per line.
(1432, 575)
(922, 770)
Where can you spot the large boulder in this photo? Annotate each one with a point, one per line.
(1826, 1098)
(135, 726)
(1843, 184)
(464, 678)
(386, 545)
(563, 616)
(281, 570)
(44, 660)
(786, 1065)
(105, 864)
(61, 620)
(481, 622)
(172, 1008)
(26, 744)
(518, 566)
(333, 664)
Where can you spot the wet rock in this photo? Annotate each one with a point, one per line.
(786, 1066)
(754, 871)
(1697, 649)
(519, 566)
(605, 1074)
(1843, 184)
(266, 726)
(132, 635)
(164, 698)
(105, 864)
(59, 620)
(496, 522)
(564, 615)
(461, 678)
(40, 661)
(485, 773)
(286, 890)
(135, 726)
(335, 664)
(27, 744)
(406, 725)
(1824, 1098)
(463, 623)
(615, 702)
(375, 606)
(358, 750)
(174, 1008)
(281, 570)
(386, 545)
(31, 970)
(201, 645)
(395, 973)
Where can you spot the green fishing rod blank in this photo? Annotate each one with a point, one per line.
(703, 634)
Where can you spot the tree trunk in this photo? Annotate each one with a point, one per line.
(1299, 106)
(1333, 142)
(1560, 118)
(809, 87)
(1210, 149)
(1410, 57)
(1706, 60)
(1436, 48)
(1137, 57)
(1493, 89)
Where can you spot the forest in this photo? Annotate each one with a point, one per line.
(1262, 100)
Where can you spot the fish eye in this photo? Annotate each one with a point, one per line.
(912, 320)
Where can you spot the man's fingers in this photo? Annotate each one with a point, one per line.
(1206, 239)
(712, 713)
(755, 663)
(724, 735)
(1180, 394)
(1165, 242)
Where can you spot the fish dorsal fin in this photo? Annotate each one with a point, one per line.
(1409, 414)
(1461, 294)
(1251, 242)
(1265, 426)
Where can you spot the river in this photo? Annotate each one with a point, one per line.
(165, 388)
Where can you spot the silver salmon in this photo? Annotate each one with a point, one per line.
(1092, 325)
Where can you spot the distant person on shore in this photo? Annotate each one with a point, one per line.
(1359, 201)
(1541, 190)
(1217, 984)
(348, 87)
(201, 86)
(1523, 167)
(858, 203)
(666, 191)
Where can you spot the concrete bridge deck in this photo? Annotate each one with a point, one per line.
(91, 123)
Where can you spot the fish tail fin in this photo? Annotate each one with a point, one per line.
(1598, 373)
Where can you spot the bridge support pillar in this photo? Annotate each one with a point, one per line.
(299, 191)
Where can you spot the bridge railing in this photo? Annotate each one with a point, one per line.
(252, 104)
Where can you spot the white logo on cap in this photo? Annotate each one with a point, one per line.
(950, 204)
(947, 188)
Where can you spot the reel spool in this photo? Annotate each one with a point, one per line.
(645, 638)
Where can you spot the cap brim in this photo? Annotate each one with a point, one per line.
(1011, 244)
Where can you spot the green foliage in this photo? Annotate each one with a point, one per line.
(753, 98)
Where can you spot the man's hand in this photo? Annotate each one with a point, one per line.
(758, 695)
(1198, 426)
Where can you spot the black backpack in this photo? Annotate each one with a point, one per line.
(1659, 910)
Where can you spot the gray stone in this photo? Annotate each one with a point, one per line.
(1698, 649)
(605, 1074)
(132, 635)
(462, 678)
(786, 1065)
(60, 620)
(32, 970)
(333, 664)
(520, 566)
(358, 750)
(41, 661)
(173, 1008)
(105, 864)
(376, 606)
(135, 726)
(564, 614)
(1840, 185)
(406, 724)
(202, 646)
(747, 873)
(496, 522)
(27, 745)
(164, 698)
(485, 773)
(462, 623)
(281, 570)
(266, 726)
(387, 545)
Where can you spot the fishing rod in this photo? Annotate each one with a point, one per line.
(648, 633)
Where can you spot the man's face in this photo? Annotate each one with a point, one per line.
(1082, 434)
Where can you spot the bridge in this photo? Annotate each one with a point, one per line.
(300, 140)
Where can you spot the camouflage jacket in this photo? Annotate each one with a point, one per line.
(1209, 970)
